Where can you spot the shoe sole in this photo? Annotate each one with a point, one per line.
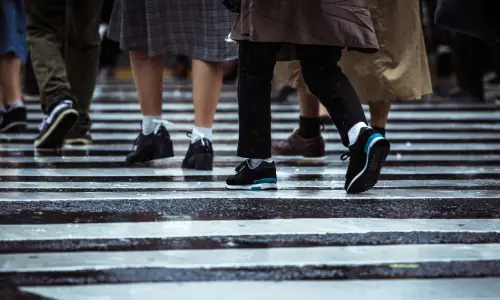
(258, 185)
(200, 162)
(16, 127)
(78, 142)
(149, 157)
(368, 177)
(54, 137)
(253, 187)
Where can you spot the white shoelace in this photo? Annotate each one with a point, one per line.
(200, 135)
(161, 123)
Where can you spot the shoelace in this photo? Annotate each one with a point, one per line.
(345, 156)
(197, 133)
(160, 123)
(242, 165)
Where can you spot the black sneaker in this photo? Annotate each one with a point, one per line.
(156, 145)
(261, 178)
(56, 126)
(13, 119)
(367, 156)
(200, 155)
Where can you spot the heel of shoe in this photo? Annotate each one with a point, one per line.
(166, 151)
(203, 161)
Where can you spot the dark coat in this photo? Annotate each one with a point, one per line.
(344, 23)
(478, 18)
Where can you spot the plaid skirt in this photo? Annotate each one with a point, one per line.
(195, 28)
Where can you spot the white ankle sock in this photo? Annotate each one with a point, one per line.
(16, 104)
(254, 163)
(201, 132)
(354, 132)
(148, 126)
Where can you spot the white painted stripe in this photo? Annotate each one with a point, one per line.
(238, 228)
(136, 116)
(394, 289)
(281, 136)
(133, 105)
(180, 148)
(234, 258)
(283, 172)
(97, 125)
(298, 160)
(383, 195)
(125, 184)
(170, 93)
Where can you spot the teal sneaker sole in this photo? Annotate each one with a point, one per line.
(258, 185)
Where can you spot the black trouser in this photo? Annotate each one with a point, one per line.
(65, 45)
(322, 75)
(471, 57)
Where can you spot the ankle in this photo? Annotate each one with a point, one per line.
(254, 163)
(380, 130)
(309, 127)
(148, 126)
(353, 133)
(201, 133)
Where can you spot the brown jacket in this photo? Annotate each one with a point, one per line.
(344, 23)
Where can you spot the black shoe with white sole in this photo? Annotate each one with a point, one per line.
(200, 156)
(263, 177)
(13, 120)
(78, 138)
(367, 157)
(156, 145)
(56, 126)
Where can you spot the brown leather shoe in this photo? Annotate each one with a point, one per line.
(295, 145)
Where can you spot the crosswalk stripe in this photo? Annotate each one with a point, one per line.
(408, 117)
(126, 184)
(288, 127)
(395, 289)
(81, 215)
(330, 137)
(250, 259)
(133, 106)
(387, 195)
(239, 228)
(227, 147)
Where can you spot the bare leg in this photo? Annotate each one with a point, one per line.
(379, 112)
(207, 84)
(148, 77)
(10, 79)
(323, 112)
(309, 104)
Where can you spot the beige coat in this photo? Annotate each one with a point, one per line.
(345, 23)
(399, 71)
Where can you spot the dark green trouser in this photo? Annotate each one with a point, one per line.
(63, 36)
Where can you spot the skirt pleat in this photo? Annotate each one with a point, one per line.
(195, 28)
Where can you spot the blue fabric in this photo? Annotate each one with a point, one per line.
(13, 29)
